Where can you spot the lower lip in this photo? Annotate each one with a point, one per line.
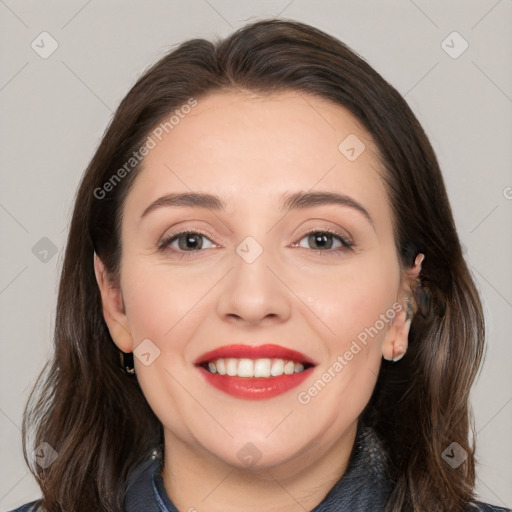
(255, 388)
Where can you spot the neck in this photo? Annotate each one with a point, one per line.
(196, 479)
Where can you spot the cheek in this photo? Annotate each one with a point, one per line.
(361, 316)
(354, 299)
(158, 299)
(163, 305)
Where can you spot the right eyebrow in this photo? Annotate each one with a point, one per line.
(191, 199)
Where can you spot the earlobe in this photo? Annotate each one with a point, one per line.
(396, 341)
(113, 308)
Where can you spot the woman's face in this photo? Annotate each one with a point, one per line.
(260, 265)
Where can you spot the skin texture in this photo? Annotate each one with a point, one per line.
(249, 149)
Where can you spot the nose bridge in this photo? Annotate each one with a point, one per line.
(252, 291)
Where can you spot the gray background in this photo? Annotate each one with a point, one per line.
(55, 110)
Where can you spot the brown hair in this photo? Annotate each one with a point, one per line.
(97, 418)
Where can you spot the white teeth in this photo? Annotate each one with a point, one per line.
(245, 367)
(289, 367)
(262, 368)
(277, 368)
(231, 367)
(221, 367)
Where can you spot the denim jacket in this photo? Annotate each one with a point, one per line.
(365, 486)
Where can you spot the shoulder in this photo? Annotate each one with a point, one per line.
(33, 506)
(478, 506)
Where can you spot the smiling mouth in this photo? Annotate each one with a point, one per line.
(254, 368)
(254, 372)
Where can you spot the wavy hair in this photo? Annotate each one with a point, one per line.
(97, 418)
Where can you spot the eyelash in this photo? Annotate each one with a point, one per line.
(345, 244)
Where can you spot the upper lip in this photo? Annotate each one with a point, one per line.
(254, 352)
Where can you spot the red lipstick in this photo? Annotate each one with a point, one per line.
(254, 388)
(255, 352)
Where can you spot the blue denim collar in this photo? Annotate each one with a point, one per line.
(366, 484)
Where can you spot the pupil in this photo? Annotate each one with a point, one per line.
(321, 239)
(190, 240)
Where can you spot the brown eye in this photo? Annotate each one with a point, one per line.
(324, 240)
(187, 241)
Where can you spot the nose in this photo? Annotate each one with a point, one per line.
(253, 292)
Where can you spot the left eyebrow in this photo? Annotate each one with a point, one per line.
(289, 201)
(298, 200)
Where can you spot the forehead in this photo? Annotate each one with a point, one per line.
(250, 149)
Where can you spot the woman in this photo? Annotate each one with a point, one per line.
(264, 244)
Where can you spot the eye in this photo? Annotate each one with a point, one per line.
(322, 241)
(187, 241)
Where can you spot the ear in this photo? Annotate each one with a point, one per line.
(413, 273)
(113, 308)
(396, 340)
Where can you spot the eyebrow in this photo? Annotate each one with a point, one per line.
(289, 201)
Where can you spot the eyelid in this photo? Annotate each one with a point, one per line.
(166, 239)
(346, 240)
